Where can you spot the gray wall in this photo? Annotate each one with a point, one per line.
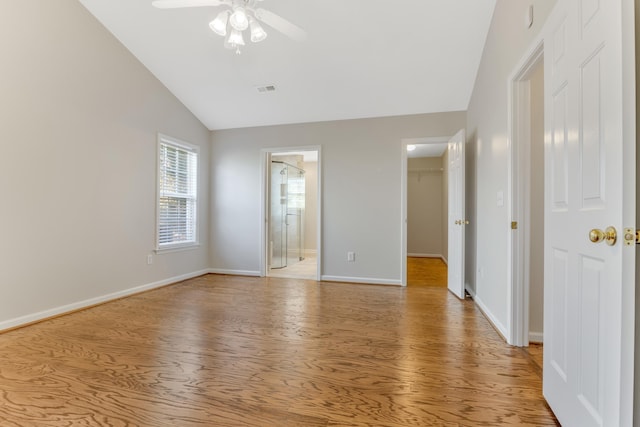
(445, 204)
(487, 120)
(311, 206)
(470, 212)
(78, 165)
(361, 180)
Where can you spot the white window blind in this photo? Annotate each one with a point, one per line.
(177, 193)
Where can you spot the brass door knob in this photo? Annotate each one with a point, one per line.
(609, 235)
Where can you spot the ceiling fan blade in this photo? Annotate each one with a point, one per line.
(175, 4)
(280, 24)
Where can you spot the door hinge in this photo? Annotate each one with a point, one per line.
(514, 225)
(631, 236)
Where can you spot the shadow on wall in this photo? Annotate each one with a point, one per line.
(470, 210)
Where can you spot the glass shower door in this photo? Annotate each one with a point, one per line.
(295, 215)
(287, 215)
(278, 215)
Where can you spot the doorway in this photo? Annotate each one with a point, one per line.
(291, 212)
(287, 216)
(527, 207)
(427, 213)
(430, 165)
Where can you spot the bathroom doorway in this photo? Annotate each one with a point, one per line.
(292, 214)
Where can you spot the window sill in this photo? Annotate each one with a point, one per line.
(177, 248)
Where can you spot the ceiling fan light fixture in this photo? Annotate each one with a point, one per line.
(219, 25)
(239, 19)
(235, 39)
(257, 32)
(235, 17)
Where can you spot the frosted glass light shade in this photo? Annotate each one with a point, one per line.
(219, 25)
(239, 19)
(257, 32)
(235, 38)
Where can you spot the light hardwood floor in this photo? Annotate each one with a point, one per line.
(238, 351)
(426, 272)
(535, 351)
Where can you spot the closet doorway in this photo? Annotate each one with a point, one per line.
(427, 213)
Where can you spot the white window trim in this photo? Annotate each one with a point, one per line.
(168, 140)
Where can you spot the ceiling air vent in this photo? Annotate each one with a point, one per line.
(266, 88)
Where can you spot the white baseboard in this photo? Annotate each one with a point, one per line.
(366, 280)
(57, 311)
(499, 327)
(416, 255)
(234, 272)
(310, 252)
(536, 337)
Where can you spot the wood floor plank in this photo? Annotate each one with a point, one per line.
(423, 271)
(237, 351)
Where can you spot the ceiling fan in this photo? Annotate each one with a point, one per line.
(238, 16)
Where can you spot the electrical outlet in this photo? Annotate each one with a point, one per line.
(149, 259)
(351, 256)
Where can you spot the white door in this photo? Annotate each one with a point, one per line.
(456, 223)
(589, 287)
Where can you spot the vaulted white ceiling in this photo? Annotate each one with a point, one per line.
(362, 58)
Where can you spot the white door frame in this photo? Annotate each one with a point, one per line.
(403, 194)
(265, 162)
(519, 173)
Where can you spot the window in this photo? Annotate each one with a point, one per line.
(177, 194)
